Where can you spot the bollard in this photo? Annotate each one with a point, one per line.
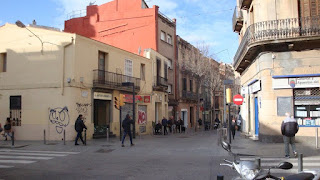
(12, 138)
(316, 138)
(219, 177)
(300, 163)
(44, 136)
(108, 134)
(85, 137)
(258, 161)
(64, 137)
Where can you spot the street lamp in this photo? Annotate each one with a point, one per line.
(133, 106)
(21, 25)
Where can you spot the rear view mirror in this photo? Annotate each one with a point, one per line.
(226, 146)
(285, 165)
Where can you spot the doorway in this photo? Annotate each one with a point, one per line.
(101, 116)
(256, 116)
(184, 117)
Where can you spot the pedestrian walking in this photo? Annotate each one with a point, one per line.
(233, 127)
(170, 124)
(179, 124)
(8, 129)
(289, 128)
(126, 125)
(164, 123)
(200, 122)
(79, 126)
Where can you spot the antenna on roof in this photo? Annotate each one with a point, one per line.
(92, 3)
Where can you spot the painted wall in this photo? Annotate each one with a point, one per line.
(48, 100)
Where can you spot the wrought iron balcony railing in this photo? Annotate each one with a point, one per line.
(113, 80)
(189, 95)
(160, 81)
(245, 4)
(281, 29)
(237, 19)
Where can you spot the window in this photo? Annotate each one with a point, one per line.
(169, 39)
(128, 70)
(15, 110)
(191, 86)
(166, 71)
(169, 63)
(169, 89)
(3, 62)
(101, 66)
(184, 84)
(143, 72)
(163, 36)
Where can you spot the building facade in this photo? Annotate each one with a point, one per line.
(132, 26)
(276, 58)
(45, 85)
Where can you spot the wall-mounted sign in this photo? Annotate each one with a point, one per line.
(138, 98)
(102, 96)
(299, 82)
(255, 87)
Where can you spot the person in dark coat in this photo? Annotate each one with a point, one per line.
(289, 128)
(126, 125)
(158, 128)
(179, 125)
(233, 127)
(164, 123)
(170, 123)
(8, 129)
(79, 126)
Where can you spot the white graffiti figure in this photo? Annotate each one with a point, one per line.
(59, 117)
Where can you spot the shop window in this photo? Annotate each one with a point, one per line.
(307, 106)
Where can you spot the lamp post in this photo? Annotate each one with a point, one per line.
(133, 106)
(21, 25)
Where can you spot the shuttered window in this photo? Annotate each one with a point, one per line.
(309, 8)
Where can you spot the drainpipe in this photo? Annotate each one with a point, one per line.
(62, 64)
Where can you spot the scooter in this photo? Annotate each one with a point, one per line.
(216, 125)
(251, 170)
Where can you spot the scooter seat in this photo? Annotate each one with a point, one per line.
(300, 176)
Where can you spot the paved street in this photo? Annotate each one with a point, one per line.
(177, 156)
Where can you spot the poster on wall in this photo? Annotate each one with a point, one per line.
(142, 115)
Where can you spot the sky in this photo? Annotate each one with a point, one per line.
(198, 21)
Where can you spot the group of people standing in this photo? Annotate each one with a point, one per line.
(7, 129)
(171, 124)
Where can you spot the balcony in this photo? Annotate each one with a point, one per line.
(245, 4)
(105, 79)
(160, 83)
(237, 20)
(187, 95)
(294, 34)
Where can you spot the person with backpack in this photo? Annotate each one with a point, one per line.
(7, 129)
(126, 125)
(79, 126)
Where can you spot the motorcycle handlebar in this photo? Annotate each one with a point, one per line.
(223, 164)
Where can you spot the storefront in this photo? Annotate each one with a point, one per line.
(306, 97)
(102, 113)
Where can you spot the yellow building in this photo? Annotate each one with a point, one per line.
(278, 62)
(48, 78)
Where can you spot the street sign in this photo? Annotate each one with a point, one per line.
(227, 82)
(238, 99)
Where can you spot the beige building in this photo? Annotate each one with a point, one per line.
(277, 60)
(48, 78)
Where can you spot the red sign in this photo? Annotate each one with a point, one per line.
(142, 117)
(238, 99)
(138, 98)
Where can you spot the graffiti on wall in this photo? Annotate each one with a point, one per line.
(142, 117)
(83, 108)
(59, 117)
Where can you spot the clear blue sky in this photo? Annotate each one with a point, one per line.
(198, 21)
